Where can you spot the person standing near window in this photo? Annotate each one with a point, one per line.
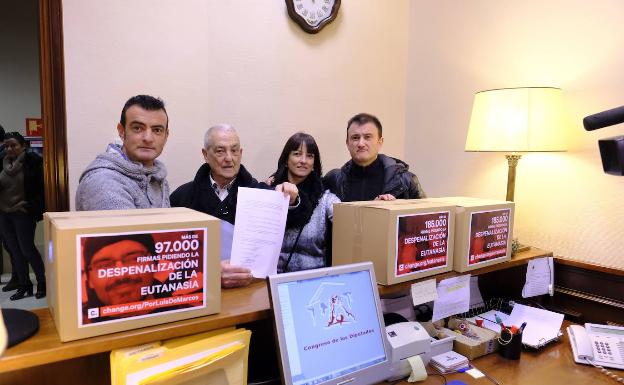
(21, 206)
(13, 282)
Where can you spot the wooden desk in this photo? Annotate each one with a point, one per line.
(238, 306)
(44, 359)
(551, 365)
(519, 259)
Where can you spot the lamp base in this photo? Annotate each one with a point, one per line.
(512, 161)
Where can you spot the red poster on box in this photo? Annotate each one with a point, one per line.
(489, 235)
(422, 242)
(136, 275)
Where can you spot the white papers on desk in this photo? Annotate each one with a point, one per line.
(400, 305)
(453, 297)
(489, 319)
(476, 300)
(540, 277)
(423, 292)
(542, 326)
(227, 232)
(259, 231)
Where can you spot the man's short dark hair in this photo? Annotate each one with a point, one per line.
(363, 118)
(146, 102)
(1, 133)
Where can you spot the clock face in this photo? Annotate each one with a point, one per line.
(313, 15)
(314, 11)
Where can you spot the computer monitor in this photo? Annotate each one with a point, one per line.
(329, 326)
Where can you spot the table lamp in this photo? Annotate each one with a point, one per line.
(516, 120)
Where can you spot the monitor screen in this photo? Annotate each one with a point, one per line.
(329, 326)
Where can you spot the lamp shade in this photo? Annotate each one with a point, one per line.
(517, 120)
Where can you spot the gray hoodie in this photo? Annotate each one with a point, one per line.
(112, 182)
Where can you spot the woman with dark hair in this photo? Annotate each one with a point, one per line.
(307, 238)
(21, 206)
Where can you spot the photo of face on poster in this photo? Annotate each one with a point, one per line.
(422, 241)
(138, 274)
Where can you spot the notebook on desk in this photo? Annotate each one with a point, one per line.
(542, 326)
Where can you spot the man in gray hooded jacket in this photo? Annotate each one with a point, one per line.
(129, 176)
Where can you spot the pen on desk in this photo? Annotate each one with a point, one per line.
(499, 321)
(522, 327)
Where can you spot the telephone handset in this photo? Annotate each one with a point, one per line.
(598, 345)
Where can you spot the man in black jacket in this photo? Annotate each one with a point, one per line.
(370, 175)
(209, 191)
(214, 190)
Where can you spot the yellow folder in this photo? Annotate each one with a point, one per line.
(216, 357)
(3, 334)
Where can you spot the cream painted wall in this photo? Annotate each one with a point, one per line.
(416, 66)
(19, 64)
(565, 202)
(239, 61)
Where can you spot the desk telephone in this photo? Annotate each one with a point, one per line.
(598, 345)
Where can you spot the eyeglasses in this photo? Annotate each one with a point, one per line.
(126, 260)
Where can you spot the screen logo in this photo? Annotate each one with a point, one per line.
(331, 305)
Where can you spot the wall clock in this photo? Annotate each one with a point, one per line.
(312, 15)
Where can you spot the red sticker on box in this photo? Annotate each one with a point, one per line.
(140, 274)
(489, 236)
(422, 242)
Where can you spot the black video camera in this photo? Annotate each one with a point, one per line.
(611, 149)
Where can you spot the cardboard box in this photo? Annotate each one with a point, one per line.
(483, 231)
(486, 340)
(405, 239)
(109, 271)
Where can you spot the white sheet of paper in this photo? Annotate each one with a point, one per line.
(453, 297)
(419, 373)
(259, 231)
(400, 305)
(489, 319)
(423, 292)
(227, 232)
(135, 378)
(476, 300)
(539, 276)
(542, 325)
(475, 373)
